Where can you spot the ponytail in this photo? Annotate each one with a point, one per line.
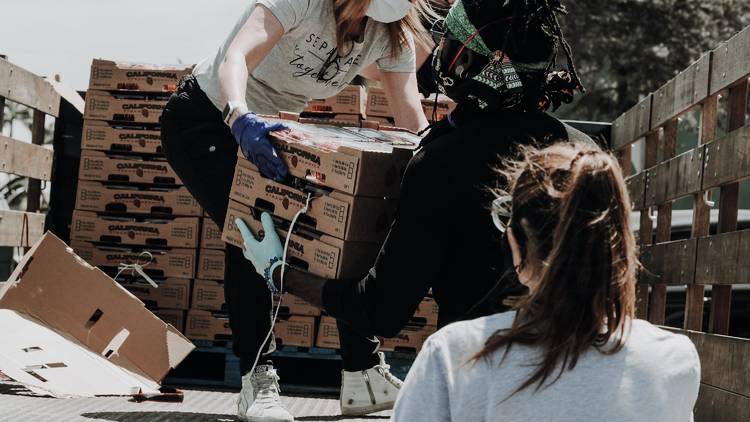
(570, 214)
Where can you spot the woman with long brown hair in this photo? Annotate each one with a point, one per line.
(571, 349)
(279, 55)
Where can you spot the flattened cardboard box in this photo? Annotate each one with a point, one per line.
(295, 330)
(378, 103)
(176, 262)
(173, 293)
(208, 295)
(109, 75)
(211, 235)
(181, 232)
(342, 159)
(211, 264)
(96, 196)
(351, 100)
(293, 305)
(319, 254)
(205, 325)
(98, 166)
(328, 334)
(72, 331)
(103, 136)
(124, 107)
(411, 338)
(173, 317)
(343, 216)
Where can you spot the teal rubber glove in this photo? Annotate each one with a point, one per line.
(266, 255)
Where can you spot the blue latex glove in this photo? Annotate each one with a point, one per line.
(265, 255)
(251, 133)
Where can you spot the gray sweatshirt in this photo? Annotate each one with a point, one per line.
(655, 377)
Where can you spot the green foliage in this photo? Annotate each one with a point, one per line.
(627, 48)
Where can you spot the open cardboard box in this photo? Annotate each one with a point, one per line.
(69, 330)
(343, 159)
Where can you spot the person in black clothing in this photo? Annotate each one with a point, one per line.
(495, 59)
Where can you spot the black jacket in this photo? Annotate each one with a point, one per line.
(443, 236)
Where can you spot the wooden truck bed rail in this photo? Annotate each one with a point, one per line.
(718, 260)
(24, 159)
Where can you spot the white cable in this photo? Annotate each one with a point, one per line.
(281, 282)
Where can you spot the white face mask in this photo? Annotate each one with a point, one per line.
(387, 11)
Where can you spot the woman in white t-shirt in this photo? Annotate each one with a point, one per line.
(571, 350)
(279, 55)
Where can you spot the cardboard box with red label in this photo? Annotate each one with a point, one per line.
(322, 255)
(163, 263)
(351, 100)
(334, 213)
(436, 111)
(109, 75)
(100, 197)
(118, 138)
(124, 107)
(181, 232)
(101, 167)
(343, 159)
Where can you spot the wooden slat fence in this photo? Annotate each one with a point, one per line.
(719, 260)
(26, 159)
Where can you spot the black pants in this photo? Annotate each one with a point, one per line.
(202, 150)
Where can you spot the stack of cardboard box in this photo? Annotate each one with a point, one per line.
(131, 207)
(411, 338)
(347, 108)
(353, 176)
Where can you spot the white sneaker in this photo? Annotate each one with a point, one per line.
(369, 391)
(259, 399)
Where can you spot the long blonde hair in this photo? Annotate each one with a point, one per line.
(349, 14)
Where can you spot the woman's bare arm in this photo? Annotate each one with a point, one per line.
(404, 99)
(250, 46)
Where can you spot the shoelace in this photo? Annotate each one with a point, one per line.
(385, 369)
(267, 385)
